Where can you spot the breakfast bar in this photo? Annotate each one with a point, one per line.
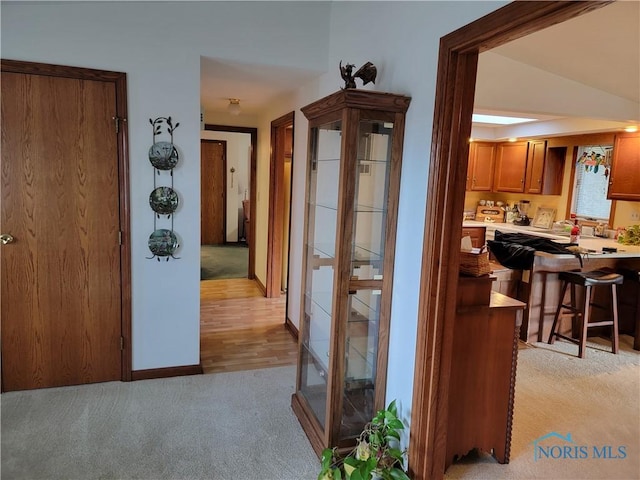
(539, 287)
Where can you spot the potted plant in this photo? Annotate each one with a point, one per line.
(376, 455)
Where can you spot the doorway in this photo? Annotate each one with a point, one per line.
(239, 228)
(66, 315)
(280, 172)
(455, 90)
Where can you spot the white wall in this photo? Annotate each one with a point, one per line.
(158, 45)
(400, 38)
(239, 158)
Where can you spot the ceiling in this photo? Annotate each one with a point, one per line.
(600, 49)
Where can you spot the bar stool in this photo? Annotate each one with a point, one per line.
(588, 280)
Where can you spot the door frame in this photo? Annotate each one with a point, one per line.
(455, 89)
(253, 132)
(224, 186)
(119, 79)
(276, 218)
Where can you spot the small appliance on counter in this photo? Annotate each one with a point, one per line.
(523, 210)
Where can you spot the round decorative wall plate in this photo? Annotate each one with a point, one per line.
(163, 155)
(163, 200)
(163, 242)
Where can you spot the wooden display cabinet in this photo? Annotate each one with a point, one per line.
(353, 181)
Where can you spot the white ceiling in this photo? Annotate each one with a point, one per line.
(600, 49)
(254, 85)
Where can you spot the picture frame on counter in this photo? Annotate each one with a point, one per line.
(544, 218)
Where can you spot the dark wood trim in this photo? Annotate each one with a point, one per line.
(273, 281)
(119, 79)
(166, 372)
(125, 222)
(293, 330)
(253, 132)
(455, 88)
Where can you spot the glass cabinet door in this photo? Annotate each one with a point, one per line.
(370, 205)
(367, 264)
(322, 212)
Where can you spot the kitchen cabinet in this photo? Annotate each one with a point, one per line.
(624, 179)
(353, 180)
(511, 167)
(477, 235)
(545, 168)
(481, 166)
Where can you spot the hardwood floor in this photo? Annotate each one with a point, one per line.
(242, 330)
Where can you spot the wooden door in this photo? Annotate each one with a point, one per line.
(61, 275)
(279, 205)
(212, 192)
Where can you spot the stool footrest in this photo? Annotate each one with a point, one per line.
(574, 340)
(606, 323)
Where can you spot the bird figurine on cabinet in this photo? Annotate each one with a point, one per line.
(367, 73)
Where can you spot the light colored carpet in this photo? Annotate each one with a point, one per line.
(224, 261)
(595, 399)
(227, 426)
(239, 426)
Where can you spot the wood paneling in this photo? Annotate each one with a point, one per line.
(65, 316)
(240, 329)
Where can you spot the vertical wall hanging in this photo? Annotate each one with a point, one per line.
(163, 200)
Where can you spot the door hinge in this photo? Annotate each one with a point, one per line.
(120, 238)
(117, 121)
(121, 343)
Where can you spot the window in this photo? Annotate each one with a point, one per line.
(589, 199)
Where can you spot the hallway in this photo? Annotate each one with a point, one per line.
(240, 329)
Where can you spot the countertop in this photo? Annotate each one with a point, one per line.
(593, 244)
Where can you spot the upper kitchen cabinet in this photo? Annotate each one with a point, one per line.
(353, 183)
(624, 180)
(511, 167)
(545, 168)
(481, 166)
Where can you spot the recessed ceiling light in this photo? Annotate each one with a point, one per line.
(499, 119)
(631, 129)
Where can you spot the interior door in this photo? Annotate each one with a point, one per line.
(61, 266)
(212, 192)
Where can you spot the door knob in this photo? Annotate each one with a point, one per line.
(6, 238)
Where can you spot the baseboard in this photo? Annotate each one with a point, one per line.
(293, 330)
(261, 286)
(166, 372)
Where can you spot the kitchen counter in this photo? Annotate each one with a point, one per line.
(588, 242)
(540, 286)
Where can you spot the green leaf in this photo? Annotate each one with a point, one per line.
(398, 474)
(392, 408)
(327, 458)
(396, 424)
(396, 453)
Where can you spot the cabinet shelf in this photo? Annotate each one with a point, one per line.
(355, 141)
